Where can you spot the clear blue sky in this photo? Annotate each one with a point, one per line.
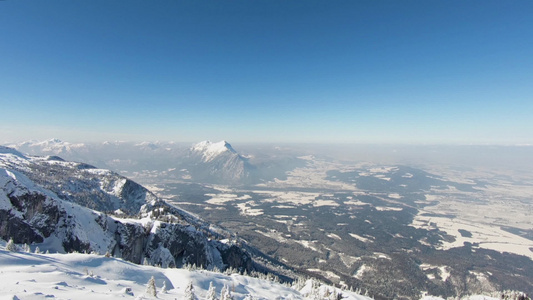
(273, 71)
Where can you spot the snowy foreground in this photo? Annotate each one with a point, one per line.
(26, 275)
(87, 276)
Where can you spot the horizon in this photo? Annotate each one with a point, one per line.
(356, 73)
(348, 144)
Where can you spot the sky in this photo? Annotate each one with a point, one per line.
(407, 72)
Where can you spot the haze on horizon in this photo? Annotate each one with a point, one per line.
(386, 72)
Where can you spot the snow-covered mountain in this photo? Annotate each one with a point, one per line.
(66, 206)
(51, 147)
(210, 151)
(218, 163)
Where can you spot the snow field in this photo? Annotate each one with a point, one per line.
(87, 276)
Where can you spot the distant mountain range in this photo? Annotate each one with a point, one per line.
(204, 162)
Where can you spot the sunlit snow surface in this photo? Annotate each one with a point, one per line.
(211, 150)
(87, 276)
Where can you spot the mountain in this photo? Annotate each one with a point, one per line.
(51, 147)
(67, 206)
(218, 163)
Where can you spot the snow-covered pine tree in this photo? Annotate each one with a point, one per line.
(211, 292)
(334, 295)
(189, 292)
(27, 248)
(10, 246)
(228, 295)
(223, 292)
(315, 291)
(150, 287)
(299, 283)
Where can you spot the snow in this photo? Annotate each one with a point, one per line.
(475, 297)
(220, 199)
(247, 210)
(384, 208)
(361, 238)
(383, 169)
(313, 175)
(333, 236)
(7, 150)
(327, 274)
(88, 276)
(211, 150)
(289, 197)
(487, 236)
(361, 271)
(319, 203)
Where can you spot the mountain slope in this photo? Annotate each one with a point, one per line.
(50, 203)
(89, 276)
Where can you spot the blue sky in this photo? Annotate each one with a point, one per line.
(423, 72)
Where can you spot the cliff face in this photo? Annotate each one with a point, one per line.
(65, 207)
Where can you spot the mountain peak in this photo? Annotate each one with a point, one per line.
(53, 141)
(210, 150)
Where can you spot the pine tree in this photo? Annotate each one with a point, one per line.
(27, 248)
(211, 292)
(189, 292)
(228, 295)
(150, 287)
(164, 288)
(37, 250)
(10, 246)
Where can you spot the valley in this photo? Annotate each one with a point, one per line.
(376, 226)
